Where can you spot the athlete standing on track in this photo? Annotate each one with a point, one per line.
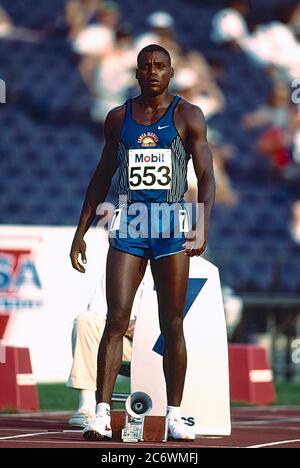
(149, 139)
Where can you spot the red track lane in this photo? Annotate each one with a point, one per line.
(268, 427)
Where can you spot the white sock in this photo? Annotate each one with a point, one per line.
(174, 412)
(103, 409)
(87, 401)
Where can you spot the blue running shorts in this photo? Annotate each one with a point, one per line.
(150, 230)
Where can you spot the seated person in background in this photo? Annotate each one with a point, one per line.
(86, 335)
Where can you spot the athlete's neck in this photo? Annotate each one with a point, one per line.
(155, 102)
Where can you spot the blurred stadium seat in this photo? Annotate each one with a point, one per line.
(48, 152)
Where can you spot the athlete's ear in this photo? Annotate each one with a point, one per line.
(136, 73)
(172, 72)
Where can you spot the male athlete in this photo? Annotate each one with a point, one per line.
(149, 140)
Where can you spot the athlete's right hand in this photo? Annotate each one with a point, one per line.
(78, 247)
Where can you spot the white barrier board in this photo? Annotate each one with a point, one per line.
(206, 403)
(42, 293)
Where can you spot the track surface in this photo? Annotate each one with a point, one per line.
(267, 427)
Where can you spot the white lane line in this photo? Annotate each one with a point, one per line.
(104, 445)
(283, 428)
(263, 422)
(37, 414)
(268, 409)
(19, 436)
(55, 442)
(270, 444)
(16, 429)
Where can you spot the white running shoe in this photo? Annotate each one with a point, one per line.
(177, 430)
(98, 429)
(81, 419)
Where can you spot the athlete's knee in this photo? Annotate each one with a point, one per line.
(117, 323)
(173, 328)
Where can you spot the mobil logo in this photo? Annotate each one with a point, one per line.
(149, 158)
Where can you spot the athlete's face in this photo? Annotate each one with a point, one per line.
(154, 73)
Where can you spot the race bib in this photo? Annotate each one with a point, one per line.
(150, 169)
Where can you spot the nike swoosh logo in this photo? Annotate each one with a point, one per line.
(164, 126)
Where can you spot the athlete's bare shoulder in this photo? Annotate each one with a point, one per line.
(190, 113)
(189, 120)
(113, 122)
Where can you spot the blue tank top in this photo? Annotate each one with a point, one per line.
(152, 159)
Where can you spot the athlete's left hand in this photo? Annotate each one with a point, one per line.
(194, 244)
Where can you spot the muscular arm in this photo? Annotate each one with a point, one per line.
(97, 189)
(203, 165)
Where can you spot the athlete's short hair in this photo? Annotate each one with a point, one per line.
(153, 48)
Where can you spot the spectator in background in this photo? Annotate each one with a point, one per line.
(114, 75)
(273, 46)
(97, 39)
(294, 20)
(225, 194)
(9, 31)
(294, 125)
(74, 18)
(90, 9)
(229, 25)
(275, 112)
(291, 173)
(277, 118)
(162, 33)
(6, 26)
(199, 88)
(295, 222)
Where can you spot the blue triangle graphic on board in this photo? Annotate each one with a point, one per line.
(194, 287)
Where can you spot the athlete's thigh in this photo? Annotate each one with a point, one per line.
(124, 273)
(171, 279)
